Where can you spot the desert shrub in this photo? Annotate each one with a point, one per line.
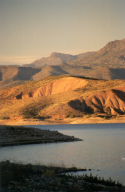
(30, 113)
(49, 173)
(5, 117)
(46, 117)
(72, 115)
(67, 115)
(107, 117)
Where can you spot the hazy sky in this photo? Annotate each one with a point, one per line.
(32, 29)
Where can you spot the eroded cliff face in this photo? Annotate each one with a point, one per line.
(58, 86)
(109, 101)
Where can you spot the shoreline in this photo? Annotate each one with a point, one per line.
(18, 177)
(52, 121)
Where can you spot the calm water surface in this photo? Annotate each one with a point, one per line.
(102, 149)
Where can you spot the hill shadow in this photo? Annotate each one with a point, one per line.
(120, 94)
(118, 73)
(0, 76)
(26, 73)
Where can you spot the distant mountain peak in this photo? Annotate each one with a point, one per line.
(114, 43)
(55, 54)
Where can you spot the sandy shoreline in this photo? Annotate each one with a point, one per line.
(90, 120)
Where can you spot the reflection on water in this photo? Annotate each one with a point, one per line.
(103, 149)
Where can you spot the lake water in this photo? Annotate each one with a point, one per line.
(102, 150)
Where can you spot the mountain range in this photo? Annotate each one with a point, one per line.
(56, 58)
(107, 63)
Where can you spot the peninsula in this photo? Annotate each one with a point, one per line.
(17, 135)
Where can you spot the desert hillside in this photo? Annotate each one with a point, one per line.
(63, 96)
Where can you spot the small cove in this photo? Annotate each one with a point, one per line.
(102, 148)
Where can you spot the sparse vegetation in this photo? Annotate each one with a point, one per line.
(49, 173)
(22, 177)
(107, 117)
(5, 117)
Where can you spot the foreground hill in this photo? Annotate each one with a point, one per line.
(63, 96)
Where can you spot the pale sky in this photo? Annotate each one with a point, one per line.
(32, 29)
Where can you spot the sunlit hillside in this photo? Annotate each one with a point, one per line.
(63, 96)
